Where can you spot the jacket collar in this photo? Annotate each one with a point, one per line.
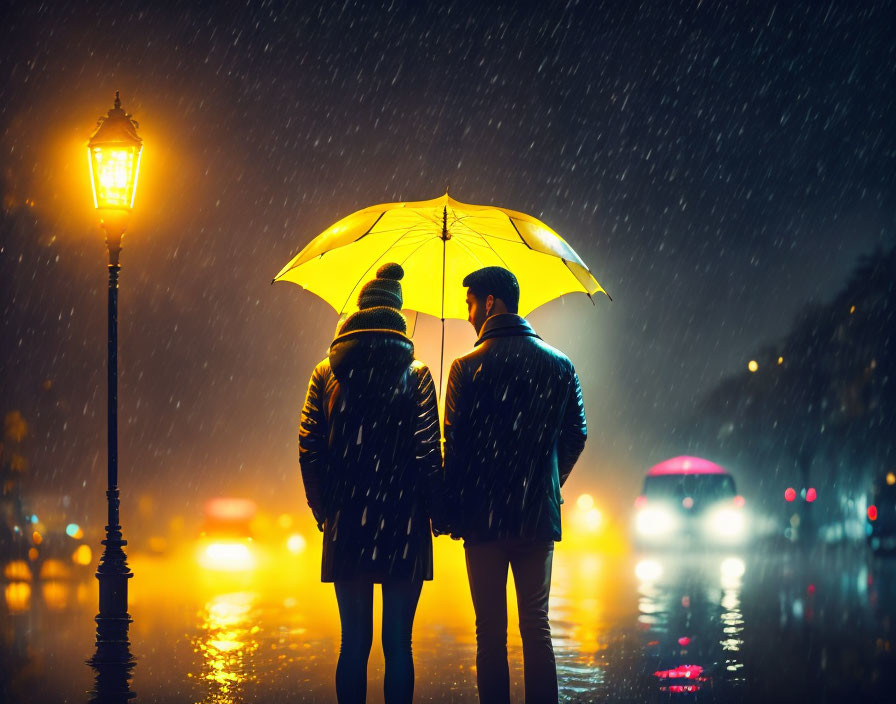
(505, 325)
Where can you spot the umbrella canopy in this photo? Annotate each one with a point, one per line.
(438, 242)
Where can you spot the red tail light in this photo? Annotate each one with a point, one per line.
(739, 501)
(641, 502)
(811, 495)
(872, 512)
(789, 494)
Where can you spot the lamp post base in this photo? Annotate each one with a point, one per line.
(112, 682)
(112, 661)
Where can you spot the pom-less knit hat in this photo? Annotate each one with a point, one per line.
(380, 303)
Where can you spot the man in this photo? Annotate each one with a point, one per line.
(514, 428)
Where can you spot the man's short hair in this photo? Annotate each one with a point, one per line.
(496, 281)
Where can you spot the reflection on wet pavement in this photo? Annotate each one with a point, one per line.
(692, 623)
(630, 628)
(227, 643)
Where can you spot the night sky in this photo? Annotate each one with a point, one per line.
(717, 165)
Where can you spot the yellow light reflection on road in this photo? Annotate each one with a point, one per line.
(578, 606)
(54, 569)
(18, 596)
(227, 643)
(56, 594)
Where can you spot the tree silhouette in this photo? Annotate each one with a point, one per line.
(823, 397)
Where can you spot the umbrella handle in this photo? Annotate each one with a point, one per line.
(442, 360)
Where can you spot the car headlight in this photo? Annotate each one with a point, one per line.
(655, 521)
(727, 522)
(227, 556)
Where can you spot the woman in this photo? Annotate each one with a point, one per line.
(370, 456)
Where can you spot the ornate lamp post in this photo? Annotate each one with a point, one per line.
(114, 155)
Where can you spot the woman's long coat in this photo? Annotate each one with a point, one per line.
(370, 457)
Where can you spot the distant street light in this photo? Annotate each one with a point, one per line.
(114, 156)
(753, 365)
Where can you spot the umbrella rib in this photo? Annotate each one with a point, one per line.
(458, 220)
(489, 244)
(416, 249)
(523, 241)
(369, 229)
(393, 229)
(472, 253)
(354, 288)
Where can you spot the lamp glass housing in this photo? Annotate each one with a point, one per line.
(114, 168)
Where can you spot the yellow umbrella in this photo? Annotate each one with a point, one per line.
(438, 242)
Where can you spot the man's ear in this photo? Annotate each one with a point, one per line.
(489, 304)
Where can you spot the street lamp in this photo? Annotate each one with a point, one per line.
(114, 155)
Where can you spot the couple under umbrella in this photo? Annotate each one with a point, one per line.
(369, 441)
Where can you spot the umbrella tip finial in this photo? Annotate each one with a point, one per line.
(447, 189)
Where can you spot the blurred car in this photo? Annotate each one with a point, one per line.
(881, 525)
(689, 501)
(225, 542)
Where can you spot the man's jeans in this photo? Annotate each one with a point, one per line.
(487, 565)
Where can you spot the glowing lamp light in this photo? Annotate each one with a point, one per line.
(891, 478)
(593, 519)
(811, 495)
(296, 543)
(17, 570)
(73, 530)
(753, 366)
(83, 555)
(585, 502)
(114, 153)
(54, 569)
(872, 512)
(790, 494)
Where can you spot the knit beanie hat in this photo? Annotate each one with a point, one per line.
(380, 303)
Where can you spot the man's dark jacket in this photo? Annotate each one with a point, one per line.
(369, 453)
(514, 428)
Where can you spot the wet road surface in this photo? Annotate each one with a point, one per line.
(766, 625)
